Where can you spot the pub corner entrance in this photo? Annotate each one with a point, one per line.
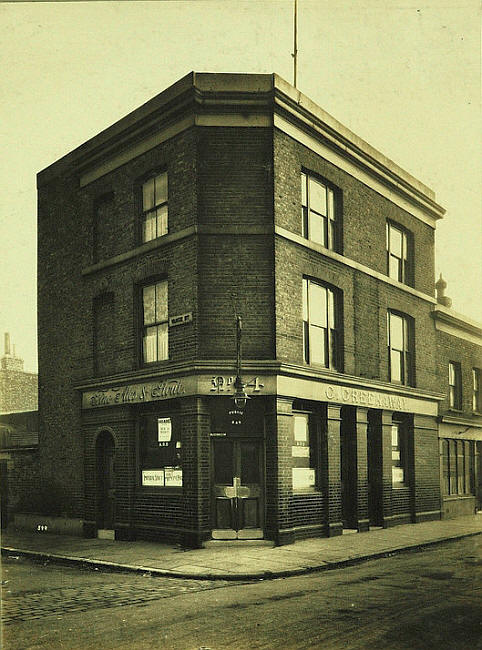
(238, 488)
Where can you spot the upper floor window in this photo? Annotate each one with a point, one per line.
(400, 348)
(455, 385)
(154, 207)
(321, 337)
(399, 256)
(476, 392)
(318, 211)
(154, 322)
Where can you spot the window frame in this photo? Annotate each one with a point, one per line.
(330, 222)
(405, 260)
(332, 332)
(174, 448)
(458, 459)
(476, 390)
(406, 352)
(314, 446)
(152, 282)
(455, 385)
(400, 453)
(152, 176)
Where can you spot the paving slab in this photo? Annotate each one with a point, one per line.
(245, 561)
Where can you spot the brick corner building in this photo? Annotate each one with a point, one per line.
(226, 196)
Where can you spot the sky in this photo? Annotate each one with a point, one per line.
(403, 75)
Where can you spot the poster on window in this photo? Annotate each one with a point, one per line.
(303, 477)
(397, 474)
(300, 452)
(301, 429)
(153, 477)
(164, 431)
(173, 476)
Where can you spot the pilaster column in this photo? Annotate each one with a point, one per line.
(332, 471)
(278, 470)
(196, 469)
(362, 468)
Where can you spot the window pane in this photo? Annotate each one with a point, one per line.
(445, 466)
(318, 305)
(317, 197)
(300, 428)
(331, 235)
(395, 435)
(249, 463)
(303, 189)
(395, 365)
(149, 304)
(150, 345)
(148, 195)
(149, 227)
(317, 345)
(396, 332)
(451, 374)
(453, 466)
(460, 467)
(331, 204)
(331, 308)
(223, 462)
(305, 299)
(162, 344)
(395, 242)
(394, 268)
(451, 396)
(161, 188)
(162, 221)
(316, 229)
(161, 301)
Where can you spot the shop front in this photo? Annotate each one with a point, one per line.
(177, 460)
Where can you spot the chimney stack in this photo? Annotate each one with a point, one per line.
(7, 344)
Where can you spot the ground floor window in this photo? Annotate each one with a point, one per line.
(160, 451)
(399, 454)
(304, 452)
(458, 466)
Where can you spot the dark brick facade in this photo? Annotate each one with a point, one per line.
(233, 248)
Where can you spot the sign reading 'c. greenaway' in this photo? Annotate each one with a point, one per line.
(133, 393)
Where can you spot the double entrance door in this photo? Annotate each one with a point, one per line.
(238, 488)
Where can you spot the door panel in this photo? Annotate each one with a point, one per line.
(237, 489)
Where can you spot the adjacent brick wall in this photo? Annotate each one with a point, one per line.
(469, 355)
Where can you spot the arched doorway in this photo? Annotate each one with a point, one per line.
(105, 455)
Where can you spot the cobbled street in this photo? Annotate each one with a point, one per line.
(418, 600)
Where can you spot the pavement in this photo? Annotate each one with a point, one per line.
(239, 560)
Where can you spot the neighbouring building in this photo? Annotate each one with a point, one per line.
(18, 433)
(459, 361)
(19, 473)
(226, 196)
(18, 389)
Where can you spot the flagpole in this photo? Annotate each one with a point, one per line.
(295, 43)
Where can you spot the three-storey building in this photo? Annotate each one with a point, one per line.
(226, 196)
